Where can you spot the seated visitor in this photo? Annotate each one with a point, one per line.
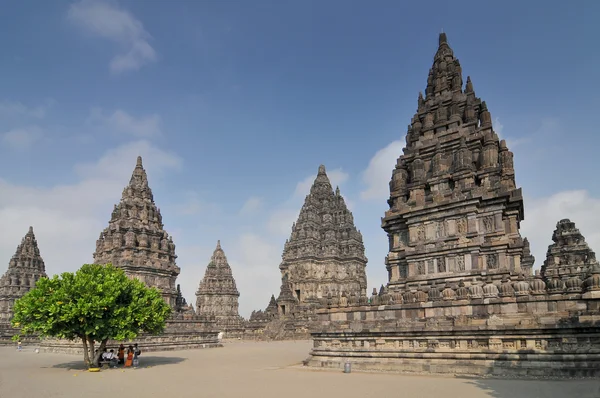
(129, 360)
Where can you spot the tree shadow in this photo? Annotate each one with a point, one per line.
(145, 362)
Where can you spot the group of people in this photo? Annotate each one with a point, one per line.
(133, 355)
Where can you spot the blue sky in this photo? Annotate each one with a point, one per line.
(234, 105)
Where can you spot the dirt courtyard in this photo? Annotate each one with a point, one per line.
(247, 369)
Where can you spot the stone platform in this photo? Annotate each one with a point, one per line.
(551, 335)
(178, 335)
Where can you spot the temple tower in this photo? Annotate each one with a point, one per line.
(135, 239)
(325, 252)
(217, 293)
(455, 210)
(569, 256)
(24, 270)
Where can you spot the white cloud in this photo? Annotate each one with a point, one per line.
(22, 138)
(121, 122)
(254, 262)
(109, 21)
(281, 220)
(510, 142)
(542, 214)
(194, 204)
(251, 206)
(498, 127)
(67, 219)
(378, 173)
(12, 108)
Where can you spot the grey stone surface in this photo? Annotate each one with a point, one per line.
(461, 296)
(135, 239)
(218, 295)
(24, 269)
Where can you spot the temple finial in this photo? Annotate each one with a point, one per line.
(443, 39)
(139, 161)
(30, 229)
(219, 245)
(322, 169)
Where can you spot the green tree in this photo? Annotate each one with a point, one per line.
(94, 304)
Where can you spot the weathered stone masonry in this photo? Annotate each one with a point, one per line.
(461, 296)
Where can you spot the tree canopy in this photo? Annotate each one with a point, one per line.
(94, 304)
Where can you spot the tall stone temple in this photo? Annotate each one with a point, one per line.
(25, 268)
(461, 297)
(325, 254)
(455, 210)
(135, 239)
(218, 295)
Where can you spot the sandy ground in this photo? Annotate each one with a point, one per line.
(247, 369)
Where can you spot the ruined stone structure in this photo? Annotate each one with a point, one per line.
(569, 256)
(24, 270)
(135, 239)
(461, 296)
(182, 307)
(218, 296)
(262, 321)
(270, 313)
(325, 253)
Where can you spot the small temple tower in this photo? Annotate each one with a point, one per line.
(217, 293)
(569, 256)
(455, 210)
(135, 239)
(24, 270)
(325, 253)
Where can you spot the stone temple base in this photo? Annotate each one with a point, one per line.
(178, 335)
(7, 332)
(530, 336)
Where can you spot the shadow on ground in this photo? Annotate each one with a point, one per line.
(505, 388)
(146, 361)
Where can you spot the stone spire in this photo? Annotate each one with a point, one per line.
(217, 293)
(135, 239)
(569, 255)
(24, 269)
(325, 252)
(454, 206)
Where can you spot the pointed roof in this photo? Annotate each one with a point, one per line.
(25, 268)
(138, 183)
(325, 226)
(569, 250)
(218, 278)
(27, 254)
(135, 239)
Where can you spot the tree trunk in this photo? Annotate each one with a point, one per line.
(86, 354)
(93, 363)
(98, 354)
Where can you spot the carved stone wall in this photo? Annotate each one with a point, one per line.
(461, 298)
(325, 253)
(569, 256)
(25, 268)
(454, 207)
(217, 294)
(135, 239)
(518, 328)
